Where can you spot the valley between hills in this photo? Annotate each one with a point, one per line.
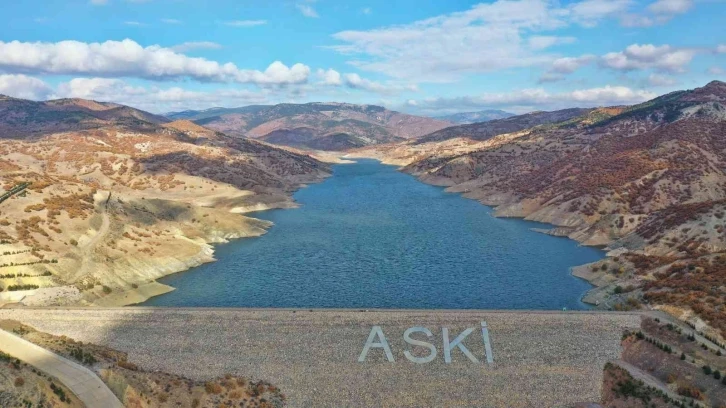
(102, 199)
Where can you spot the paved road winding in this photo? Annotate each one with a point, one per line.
(80, 380)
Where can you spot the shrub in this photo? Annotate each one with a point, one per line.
(83, 357)
(125, 364)
(690, 392)
(683, 356)
(717, 375)
(106, 289)
(135, 286)
(74, 242)
(59, 392)
(212, 388)
(618, 290)
(19, 382)
(707, 370)
(22, 287)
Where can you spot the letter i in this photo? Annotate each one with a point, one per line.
(487, 343)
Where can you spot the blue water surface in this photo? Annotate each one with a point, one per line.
(373, 237)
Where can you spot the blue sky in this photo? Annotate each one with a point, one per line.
(415, 56)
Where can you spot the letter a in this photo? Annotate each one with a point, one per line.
(456, 343)
(383, 343)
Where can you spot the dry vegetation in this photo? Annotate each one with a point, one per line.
(21, 385)
(137, 388)
(647, 181)
(120, 198)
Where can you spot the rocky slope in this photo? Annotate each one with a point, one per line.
(645, 181)
(97, 211)
(319, 126)
(465, 118)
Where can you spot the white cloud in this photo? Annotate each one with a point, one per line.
(154, 98)
(245, 23)
(134, 23)
(96, 88)
(307, 10)
(23, 86)
(569, 65)
(485, 38)
(670, 6)
(540, 42)
(279, 73)
(721, 49)
(98, 2)
(646, 56)
(128, 59)
(366, 10)
(659, 12)
(589, 12)
(533, 99)
(329, 77)
(661, 80)
(196, 45)
(332, 77)
(716, 71)
(550, 77)
(170, 21)
(637, 20)
(356, 82)
(563, 66)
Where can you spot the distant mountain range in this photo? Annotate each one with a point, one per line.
(319, 126)
(474, 117)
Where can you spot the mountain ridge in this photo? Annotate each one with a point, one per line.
(316, 125)
(647, 182)
(465, 118)
(22, 117)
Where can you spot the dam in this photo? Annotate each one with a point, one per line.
(540, 358)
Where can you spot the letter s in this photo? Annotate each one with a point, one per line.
(409, 340)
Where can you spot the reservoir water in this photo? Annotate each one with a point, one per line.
(373, 237)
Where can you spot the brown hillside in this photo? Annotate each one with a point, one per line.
(646, 181)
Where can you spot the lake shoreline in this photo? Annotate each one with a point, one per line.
(583, 305)
(591, 297)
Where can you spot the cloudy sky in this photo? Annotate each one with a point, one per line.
(416, 56)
